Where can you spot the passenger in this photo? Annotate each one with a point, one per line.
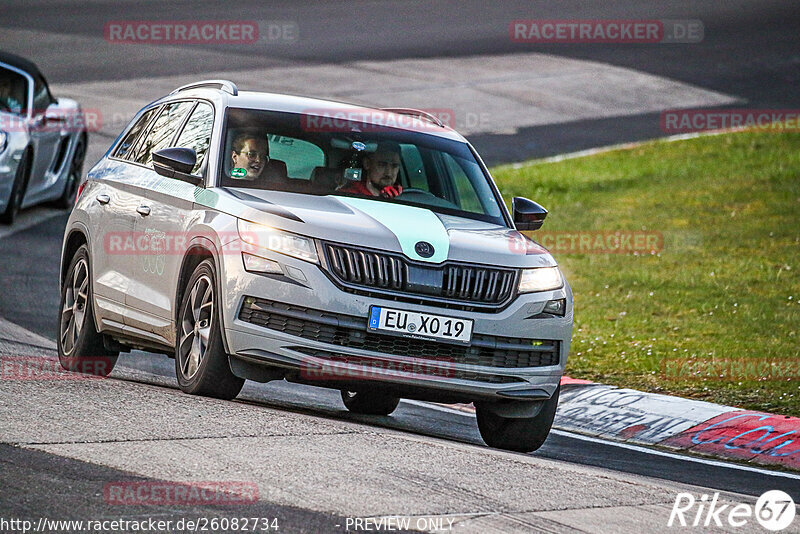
(380, 173)
(250, 153)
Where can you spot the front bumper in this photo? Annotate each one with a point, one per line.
(306, 328)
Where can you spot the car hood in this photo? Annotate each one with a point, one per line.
(391, 227)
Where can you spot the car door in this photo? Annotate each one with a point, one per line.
(45, 138)
(165, 208)
(111, 211)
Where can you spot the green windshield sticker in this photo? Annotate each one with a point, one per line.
(238, 172)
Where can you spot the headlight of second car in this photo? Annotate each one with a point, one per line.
(540, 279)
(293, 245)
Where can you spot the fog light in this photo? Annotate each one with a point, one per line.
(257, 264)
(556, 307)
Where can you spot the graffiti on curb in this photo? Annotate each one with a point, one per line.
(627, 414)
(757, 436)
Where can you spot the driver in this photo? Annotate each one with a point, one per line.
(380, 173)
(9, 94)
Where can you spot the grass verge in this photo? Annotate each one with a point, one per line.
(715, 315)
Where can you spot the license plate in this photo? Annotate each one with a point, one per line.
(420, 325)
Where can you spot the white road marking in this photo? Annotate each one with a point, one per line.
(645, 450)
(656, 452)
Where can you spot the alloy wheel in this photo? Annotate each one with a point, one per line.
(196, 326)
(73, 313)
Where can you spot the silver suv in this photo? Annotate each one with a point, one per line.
(266, 237)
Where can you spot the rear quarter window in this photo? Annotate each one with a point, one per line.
(123, 150)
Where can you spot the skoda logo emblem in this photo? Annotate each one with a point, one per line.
(424, 249)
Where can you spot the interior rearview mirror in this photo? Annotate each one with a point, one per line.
(527, 214)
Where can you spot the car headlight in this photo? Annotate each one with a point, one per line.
(293, 245)
(540, 279)
(3, 140)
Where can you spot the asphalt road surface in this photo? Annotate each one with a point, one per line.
(314, 464)
(750, 51)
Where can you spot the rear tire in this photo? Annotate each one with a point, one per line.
(80, 345)
(524, 434)
(201, 363)
(369, 402)
(67, 199)
(17, 190)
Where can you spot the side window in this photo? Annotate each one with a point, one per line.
(41, 96)
(13, 92)
(300, 156)
(197, 133)
(124, 148)
(163, 130)
(415, 168)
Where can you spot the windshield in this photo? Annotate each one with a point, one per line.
(303, 154)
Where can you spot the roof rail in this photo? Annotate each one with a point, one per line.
(225, 85)
(417, 113)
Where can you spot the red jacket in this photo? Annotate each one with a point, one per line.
(357, 188)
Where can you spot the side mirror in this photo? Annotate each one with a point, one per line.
(176, 163)
(54, 114)
(527, 214)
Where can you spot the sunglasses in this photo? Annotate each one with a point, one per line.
(253, 154)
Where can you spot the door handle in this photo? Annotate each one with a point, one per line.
(144, 211)
(103, 199)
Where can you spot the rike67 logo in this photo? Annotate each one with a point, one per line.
(774, 510)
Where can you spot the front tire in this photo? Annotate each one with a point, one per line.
(80, 345)
(201, 363)
(519, 434)
(369, 402)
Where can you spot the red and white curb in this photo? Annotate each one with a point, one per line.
(631, 416)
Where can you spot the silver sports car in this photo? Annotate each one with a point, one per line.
(267, 237)
(42, 140)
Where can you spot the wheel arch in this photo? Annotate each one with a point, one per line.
(75, 238)
(199, 250)
(72, 243)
